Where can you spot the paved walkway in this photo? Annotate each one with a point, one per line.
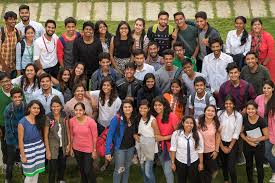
(126, 10)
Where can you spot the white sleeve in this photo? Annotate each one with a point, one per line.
(36, 50)
(227, 45)
(200, 148)
(238, 128)
(174, 141)
(247, 46)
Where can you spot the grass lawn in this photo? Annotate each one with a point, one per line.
(72, 175)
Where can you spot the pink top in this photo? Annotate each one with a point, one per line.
(261, 105)
(167, 128)
(209, 138)
(84, 136)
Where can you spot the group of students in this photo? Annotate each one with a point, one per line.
(178, 96)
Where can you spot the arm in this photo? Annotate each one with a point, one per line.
(46, 141)
(263, 138)
(36, 55)
(94, 136)
(110, 135)
(197, 49)
(93, 103)
(173, 150)
(68, 135)
(21, 143)
(18, 58)
(60, 52)
(244, 137)
(247, 47)
(270, 48)
(112, 49)
(154, 125)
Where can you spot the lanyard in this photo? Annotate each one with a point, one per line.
(46, 45)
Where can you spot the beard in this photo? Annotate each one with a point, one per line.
(25, 18)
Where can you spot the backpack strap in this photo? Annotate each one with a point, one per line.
(62, 40)
(207, 98)
(154, 28)
(17, 35)
(170, 29)
(193, 99)
(23, 46)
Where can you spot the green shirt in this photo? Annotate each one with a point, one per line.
(4, 101)
(177, 62)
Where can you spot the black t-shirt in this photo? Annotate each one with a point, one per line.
(128, 140)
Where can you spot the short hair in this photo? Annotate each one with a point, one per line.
(103, 55)
(215, 40)
(187, 61)
(10, 14)
(44, 75)
(251, 53)
(4, 75)
(16, 90)
(24, 7)
(88, 24)
(163, 13)
(130, 65)
(201, 14)
(168, 52)
(179, 13)
(138, 52)
(77, 86)
(178, 43)
(199, 79)
(70, 20)
(152, 43)
(231, 66)
(50, 21)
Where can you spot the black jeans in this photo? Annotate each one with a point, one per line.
(229, 163)
(53, 71)
(191, 172)
(85, 164)
(210, 167)
(249, 153)
(13, 156)
(57, 166)
(3, 145)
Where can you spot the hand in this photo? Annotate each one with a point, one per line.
(205, 42)
(173, 167)
(108, 157)
(253, 144)
(94, 154)
(72, 153)
(24, 159)
(174, 34)
(137, 138)
(265, 62)
(251, 139)
(48, 155)
(214, 155)
(194, 58)
(39, 72)
(227, 150)
(68, 149)
(200, 167)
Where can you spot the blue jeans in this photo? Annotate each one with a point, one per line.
(123, 160)
(166, 166)
(268, 155)
(147, 171)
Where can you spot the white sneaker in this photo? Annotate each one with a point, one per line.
(4, 166)
(135, 160)
(266, 165)
(272, 178)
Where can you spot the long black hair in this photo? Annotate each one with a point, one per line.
(245, 33)
(195, 133)
(166, 108)
(143, 33)
(25, 83)
(108, 35)
(117, 38)
(63, 85)
(82, 77)
(181, 96)
(144, 102)
(113, 95)
(270, 106)
(146, 77)
(40, 118)
(202, 124)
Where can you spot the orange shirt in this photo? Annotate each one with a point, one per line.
(175, 107)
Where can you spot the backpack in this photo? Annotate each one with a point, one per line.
(23, 46)
(101, 140)
(61, 38)
(207, 98)
(3, 35)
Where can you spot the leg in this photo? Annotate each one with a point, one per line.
(259, 158)
(149, 172)
(193, 172)
(61, 161)
(181, 171)
(119, 157)
(224, 161)
(129, 154)
(249, 153)
(80, 163)
(52, 168)
(11, 152)
(88, 168)
(232, 158)
(166, 166)
(142, 168)
(3, 145)
(269, 156)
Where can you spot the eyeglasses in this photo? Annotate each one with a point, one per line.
(8, 81)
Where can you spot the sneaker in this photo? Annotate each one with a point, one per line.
(266, 165)
(272, 178)
(62, 181)
(241, 160)
(3, 169)
(135, 160)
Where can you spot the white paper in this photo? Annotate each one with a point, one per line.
(256, 133)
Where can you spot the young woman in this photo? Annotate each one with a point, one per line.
(63, 86)
(266, 111)
(187, 151)
(57, 139)
(122, 131)
(149, 90)
(78, 75)
(101, 32)
(28, 81)
(83, 132)
(146, 143)
(121, 46)
(30, 141)
(167, 124)
(176, 98)
(254, 133)
(238, 41)
(263, 46)
(139, 35)
(209, 128)
(230, 126)
(24, 50)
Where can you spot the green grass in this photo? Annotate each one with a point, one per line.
(72, 175)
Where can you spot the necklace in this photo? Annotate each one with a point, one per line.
(46, 45)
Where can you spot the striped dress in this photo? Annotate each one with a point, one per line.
(34, 149)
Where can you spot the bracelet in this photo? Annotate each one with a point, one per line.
(173, 162)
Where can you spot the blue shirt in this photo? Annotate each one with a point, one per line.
(23, 60)
(31, 132)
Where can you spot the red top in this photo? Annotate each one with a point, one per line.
(167, 128)
(83, 135)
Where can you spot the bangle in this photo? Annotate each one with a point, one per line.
(173, 162)
(216, 151)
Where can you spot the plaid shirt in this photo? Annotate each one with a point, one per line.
(8, 51)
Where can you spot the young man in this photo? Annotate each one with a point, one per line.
(65, 43)
(6, 86)
(104, 71)
(46, 92)
(200, 99)
(206, 33)
(239, 89)
(9, 36)
(188, 35)
(154, 59)
(161, 32)
(254, 73)
(128, 86)
(142, 68)
(24, 13)
(87, 49)
(44, 52)
(166, 74)
(14, 112)
(214, 66)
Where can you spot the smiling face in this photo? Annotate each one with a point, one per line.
(234, 74)
(30, 34)
(88, 31)
(79, 111)
(216, 48)
(34, 109)
(175, 88)
(143, 110)
(163, 20)
(79, 70)
(179, 20)
(105, 64)
(229, 106)
(56, 108)
(239, 25)
(66, 76)
(188, 69)
(123, 30)
(251, 61)
(10, 22)
(17, 98)
(30, 72)
(24, 15)
(201, 23)
(127, 109)
(79, 93)
(45, 83)
(199, 87)
(168, 60)
(129, 73)
(102, 29)
(50, 29)
(71, 28)
(210, 112)
(139, 27)
(257, 27)
(139, 60)
(107, 87)
(179, 51)
(153, 51)
(188, 125)
(267, 90)
(251, 110)
(150, 83)
(159, 107)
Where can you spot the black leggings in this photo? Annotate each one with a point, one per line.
(85, 164)
(210, 167)
(57, 166)
(183, 172)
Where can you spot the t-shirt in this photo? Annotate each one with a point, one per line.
(209, 137)
(128, 140)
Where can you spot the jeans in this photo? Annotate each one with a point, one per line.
(123, 160)
(85, 164)
(166, 166)
(3, 145)
(268, 155)
(57, 166)
(147, 171)
(13, 156)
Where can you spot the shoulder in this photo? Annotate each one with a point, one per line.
(120, 82)
(267, 35)
(23, 120)
(230, 33)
